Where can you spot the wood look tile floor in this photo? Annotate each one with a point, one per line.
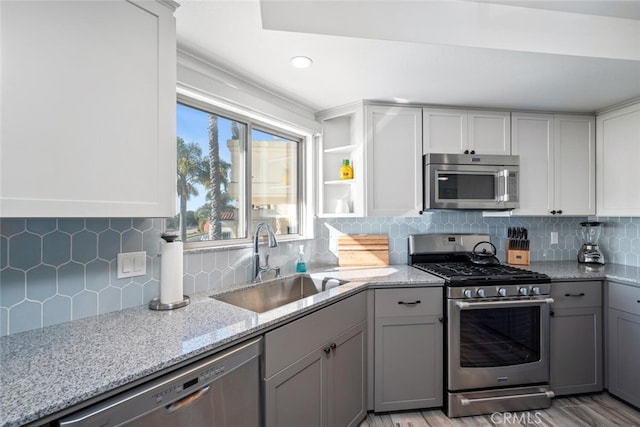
(595, 410)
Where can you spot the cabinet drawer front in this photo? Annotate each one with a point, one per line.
(408, 302)
(291, 342)
(576, 294)
(624, 298)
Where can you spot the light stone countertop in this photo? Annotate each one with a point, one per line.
(49, 370)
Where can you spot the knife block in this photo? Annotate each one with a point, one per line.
(517, 256)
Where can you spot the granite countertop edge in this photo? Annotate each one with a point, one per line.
(41, 370)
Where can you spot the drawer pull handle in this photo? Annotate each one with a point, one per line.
(410, 304)
(581, 294)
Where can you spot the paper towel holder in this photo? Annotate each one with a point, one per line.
(156, 303)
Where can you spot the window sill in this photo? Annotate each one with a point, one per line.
(209, 246)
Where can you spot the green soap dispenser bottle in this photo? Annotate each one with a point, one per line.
(301, 266)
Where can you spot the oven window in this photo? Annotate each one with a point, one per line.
(461, 186)
(499, 336)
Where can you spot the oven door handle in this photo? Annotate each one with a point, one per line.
(462, 305)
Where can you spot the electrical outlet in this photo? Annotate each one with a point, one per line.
(131, 264)
(554, 237)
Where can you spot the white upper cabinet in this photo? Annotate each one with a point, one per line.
(489, 132)
(394, 161)
(532, 140)
(444, 131)
(88, 109)
(384, 146)
(618, 151)
(557, 163)
(466, 131)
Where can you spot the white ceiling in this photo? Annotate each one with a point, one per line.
(574, 55)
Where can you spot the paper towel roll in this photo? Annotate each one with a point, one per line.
(170, 271)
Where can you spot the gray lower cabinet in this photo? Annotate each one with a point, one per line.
(408, 349)
(315, 368)
(576, 337)
(624, 342)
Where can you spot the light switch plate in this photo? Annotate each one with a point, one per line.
(131, 264)
(554, 237)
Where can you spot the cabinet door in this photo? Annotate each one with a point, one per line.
(347, 382)
(489, 132)
(88, 114)
(576, 350)
(532, 140)
(394, 161)
(444, 131)
(297, 396)
(408, 363)
(618, 151)
(574, 168)
(408, 348)
(624, 354)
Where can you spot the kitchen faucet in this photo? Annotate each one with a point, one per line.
(257, 268)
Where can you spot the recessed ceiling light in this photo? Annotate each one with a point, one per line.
(301, 62)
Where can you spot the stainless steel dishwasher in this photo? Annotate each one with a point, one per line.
(222, 390)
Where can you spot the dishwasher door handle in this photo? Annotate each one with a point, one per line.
(186, 401)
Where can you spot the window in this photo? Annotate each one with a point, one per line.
(257, 177)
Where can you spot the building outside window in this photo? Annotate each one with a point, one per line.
(232, 173)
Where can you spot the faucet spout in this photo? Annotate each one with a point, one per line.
(273, 242)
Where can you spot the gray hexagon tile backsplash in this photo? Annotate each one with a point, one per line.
(57, 270)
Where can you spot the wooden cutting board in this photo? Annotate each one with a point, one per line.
(363, 250)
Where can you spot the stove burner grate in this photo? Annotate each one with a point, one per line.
(465, 272)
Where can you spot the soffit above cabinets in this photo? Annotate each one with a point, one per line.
(461, 23)
(574, 56)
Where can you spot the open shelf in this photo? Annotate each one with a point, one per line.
(341, 149)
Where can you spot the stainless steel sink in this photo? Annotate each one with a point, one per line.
(277, 292)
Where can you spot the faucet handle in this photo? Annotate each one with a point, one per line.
(266, 260)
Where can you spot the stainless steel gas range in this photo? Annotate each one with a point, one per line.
(497, 325)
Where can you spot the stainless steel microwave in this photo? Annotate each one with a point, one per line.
(471, 181)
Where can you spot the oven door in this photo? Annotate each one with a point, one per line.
(471, 187)
(498, 343)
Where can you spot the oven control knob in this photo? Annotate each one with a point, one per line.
(481, 293)
(524, 291)
(535, 290)
(468, 293)
(502, 292)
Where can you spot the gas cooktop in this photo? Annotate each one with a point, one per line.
(463, 273)
(451, 257)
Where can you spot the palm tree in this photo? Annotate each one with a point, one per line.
(215, 226)
(192, 170)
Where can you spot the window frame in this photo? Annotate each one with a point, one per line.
(268, 126)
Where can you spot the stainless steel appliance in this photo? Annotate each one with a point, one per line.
(470, 181)
(497, 326)
(590, 253)
(222, 390)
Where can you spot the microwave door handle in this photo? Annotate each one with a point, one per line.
(504, 197)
